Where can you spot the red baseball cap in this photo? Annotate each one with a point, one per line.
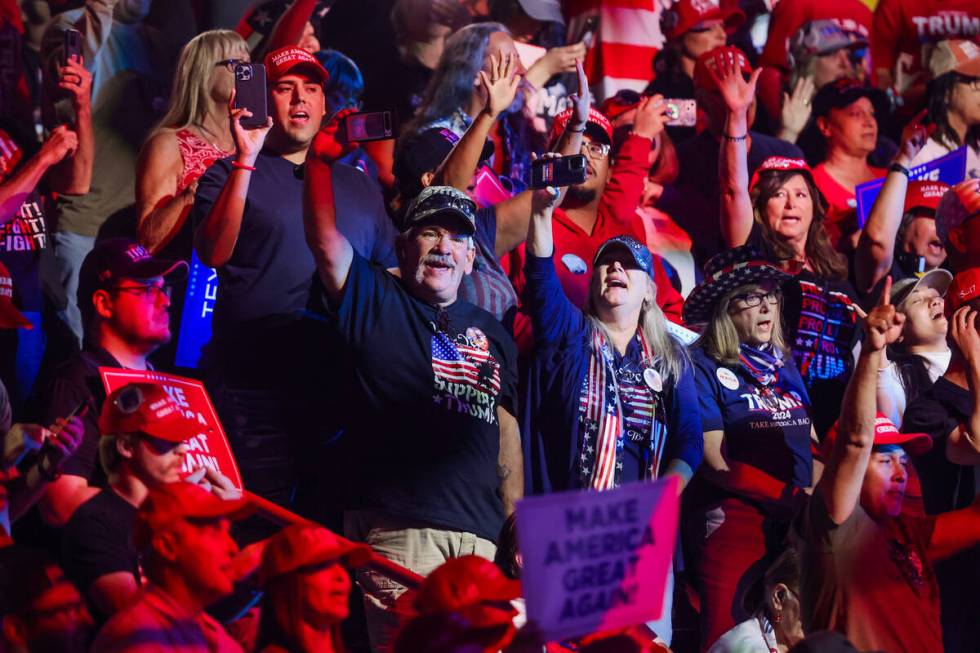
(780, 164)
(886, 433)
(303, 545)
(10, 317)
(924, 195)
(959, 204)
(965, 287)
(686, 14)
(171, 502)
(598, 126)
(466, 585)
(712, 60)
(146, 408)
(280, 62)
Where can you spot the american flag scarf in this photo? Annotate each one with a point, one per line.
(762, 363)
(601, 419)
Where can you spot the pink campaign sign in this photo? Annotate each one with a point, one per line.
(597, 561)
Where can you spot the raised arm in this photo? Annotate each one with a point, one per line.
(60, 143)
(733, 167)
(217, 234)
(513, 215)
(963, 444)
(499, 88)
(73, 174)
(289, 29)
(331, 249)
(555, 62)
(876, 247)
(840, 486)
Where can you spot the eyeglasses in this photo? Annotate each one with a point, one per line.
(972, 82)
(149, 293)
(596, 151)
(753, 299)
(230, 63)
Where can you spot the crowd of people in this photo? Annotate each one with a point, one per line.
(762, 287)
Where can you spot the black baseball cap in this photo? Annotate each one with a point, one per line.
(844, 91)
(424, 153)
(113, 259)
(443, 202)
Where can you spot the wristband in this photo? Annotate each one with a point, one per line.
(898, 167)
(735, 138)
(242, 166)
(577, 131)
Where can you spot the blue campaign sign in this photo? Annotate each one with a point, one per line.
(949, 169)
(195, 321)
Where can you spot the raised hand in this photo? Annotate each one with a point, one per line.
(796, 106)
(248, 142)
(63, 438)
(61, 142)
(501, 85)
(583, 100)
(330, 143)
(963, 329)
(563, 59)
(883, 325)
(651, 116)
(77, 80)
(914, 138)
(735, 90)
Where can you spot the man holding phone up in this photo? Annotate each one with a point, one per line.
(248, 219)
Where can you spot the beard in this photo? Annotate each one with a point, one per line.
(580, 195)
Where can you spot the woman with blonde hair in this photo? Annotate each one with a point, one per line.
(757, 431)
(193, 134)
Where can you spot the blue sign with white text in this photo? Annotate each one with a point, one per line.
(195, 321)
(949, 169)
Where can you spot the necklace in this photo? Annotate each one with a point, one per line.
(212, 138)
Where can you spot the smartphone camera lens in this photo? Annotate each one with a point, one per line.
(243, 73)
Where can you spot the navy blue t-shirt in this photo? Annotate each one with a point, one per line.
(421, 402)
(551, 426)
(269, 272)
(768, 428)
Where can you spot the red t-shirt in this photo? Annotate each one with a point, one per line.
(841, 219)
(575, 248)
(902, 29)
(789, 15)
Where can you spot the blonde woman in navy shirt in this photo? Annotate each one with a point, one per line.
(757, 432)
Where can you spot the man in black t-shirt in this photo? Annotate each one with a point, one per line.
(949, 412)
(429, 409)
(143, 446)
(124, 298)
(248, 220)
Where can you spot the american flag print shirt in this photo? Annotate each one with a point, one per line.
(467, 376)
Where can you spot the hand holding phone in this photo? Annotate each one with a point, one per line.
(73, 46)
(681, 112)
(251, 93)
(558, 171)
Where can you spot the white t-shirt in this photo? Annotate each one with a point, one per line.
(747, 637)
(891, 394)
(933, 149)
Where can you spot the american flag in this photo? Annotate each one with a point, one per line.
(637, 407)
(459, 363)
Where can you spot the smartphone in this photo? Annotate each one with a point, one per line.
(251, 93)
(681, 112)
(73, 45)
(369, 126)
(560, 171)
(590, 29)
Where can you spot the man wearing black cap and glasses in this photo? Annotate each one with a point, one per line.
(430, 406)
(124, 299)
